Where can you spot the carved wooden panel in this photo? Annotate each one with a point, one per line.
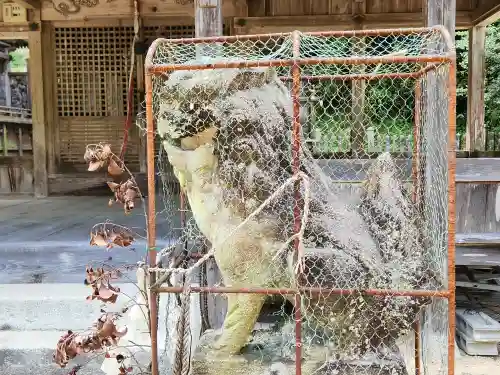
(72, 10)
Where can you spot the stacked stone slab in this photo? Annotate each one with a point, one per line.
(477, 333)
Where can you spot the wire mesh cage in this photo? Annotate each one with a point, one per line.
(317, 170)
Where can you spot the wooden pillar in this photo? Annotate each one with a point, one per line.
(358, 87)
(476, 132)
(141, 92)
(208, 18)
(208, 23)
(436, 180)
(7, 88)
(435, 120)
(50, 102)
(37, 78)
(441, 12)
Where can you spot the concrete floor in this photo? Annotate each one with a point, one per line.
(47, 240)
(44, 248)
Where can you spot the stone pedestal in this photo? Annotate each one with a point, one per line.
(267, 355)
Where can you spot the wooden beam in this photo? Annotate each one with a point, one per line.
(13, 32)
(124, 10)
(476, 132)
(256, 25)
(486, 13)
(36, 72)
(29, 4)
(478, 170)
(469, 170)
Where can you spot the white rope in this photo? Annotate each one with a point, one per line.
(182, 356)
(299, 235)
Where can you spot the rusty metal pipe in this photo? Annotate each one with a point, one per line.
(151, 229)
(296, 143)
(324, 291)
(352, 77)
(337, 34)
(452, 92)
(159, 69)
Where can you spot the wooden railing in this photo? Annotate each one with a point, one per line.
(13, 114)
(15, 131)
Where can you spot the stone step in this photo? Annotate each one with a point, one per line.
(34, 316)
(478, 326)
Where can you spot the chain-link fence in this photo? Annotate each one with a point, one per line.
(274, 143)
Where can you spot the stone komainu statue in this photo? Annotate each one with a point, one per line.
(227, 133)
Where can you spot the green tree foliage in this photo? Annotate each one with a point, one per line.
(389, 103)
(18, 60)
(492, 89)
(388, 106)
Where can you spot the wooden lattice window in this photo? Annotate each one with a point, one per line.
(92, 69)
(92, 66)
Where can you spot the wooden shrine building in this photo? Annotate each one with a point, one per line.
(80, 57)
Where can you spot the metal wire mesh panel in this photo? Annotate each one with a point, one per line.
(315, 168)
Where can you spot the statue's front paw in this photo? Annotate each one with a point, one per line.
(211, 347)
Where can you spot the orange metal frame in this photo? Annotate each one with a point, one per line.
(431, 61)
